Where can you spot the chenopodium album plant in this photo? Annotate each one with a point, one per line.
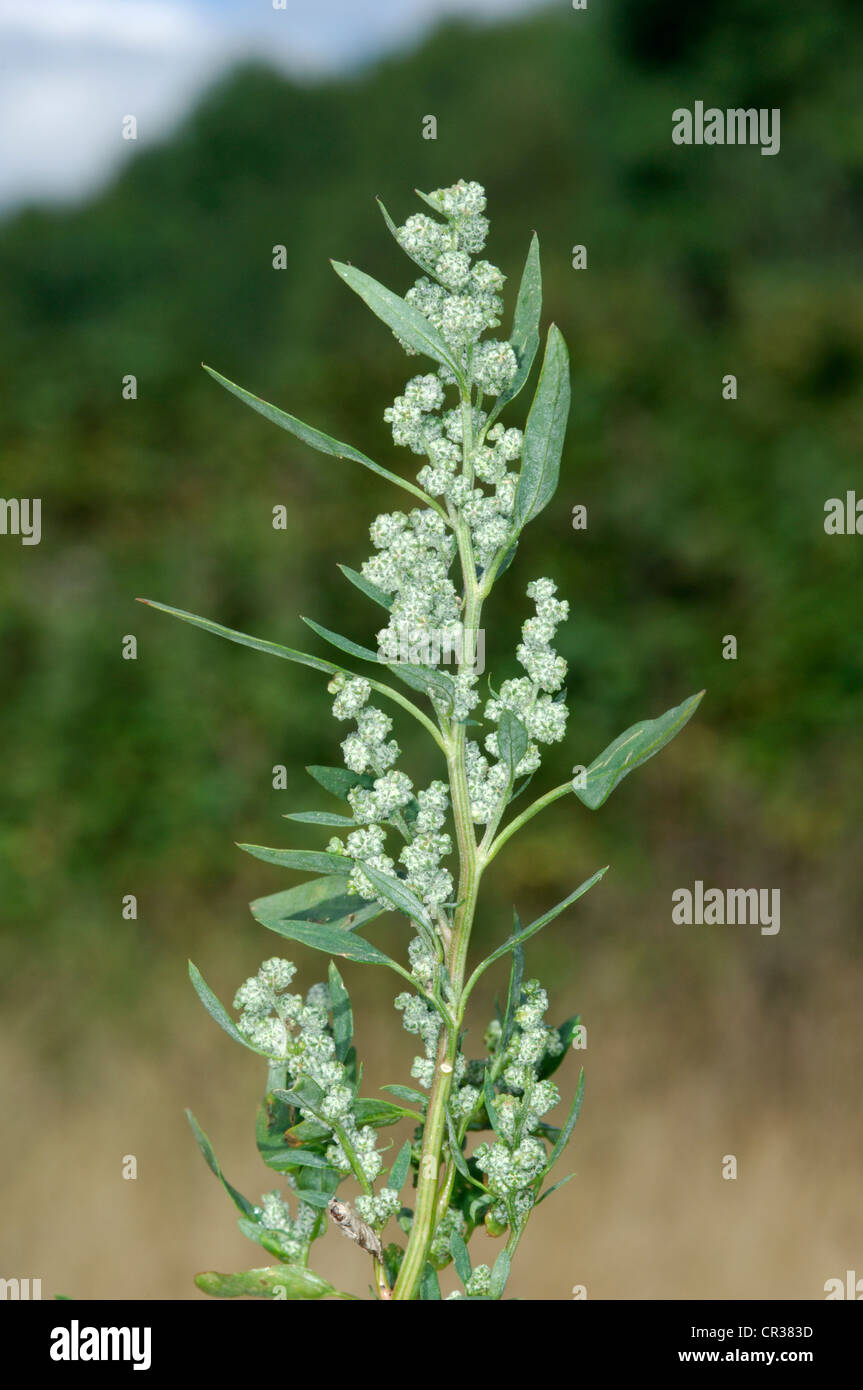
(423, 851)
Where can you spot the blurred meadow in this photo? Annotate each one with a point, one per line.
(705, 518)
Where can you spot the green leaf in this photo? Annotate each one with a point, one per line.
(491, 1108)
(513, 995)
(407, 1093)
(340, 780)
(274, 1242)
(322, 818)
(380, 1113)
(291, 1282)
(239, 1201)
(555, 1185)
(343, 1018)
(395, 234)
(366, 587)
(429, 1286)
(308, 861)
(333, 941)
(244, 640)
(565, 1133)
(344, 644)
(512, 742)
(525, 326)
(499, 1274)
(544, 433)
(565, 1032)
(324, 900)
(519, 936)
(634, 746)
(461, 1259)
(315, 438)
(423, 678)
(398, 1174)
(398, 895)
(458, 1157)
(217, 1011)
(408, 324)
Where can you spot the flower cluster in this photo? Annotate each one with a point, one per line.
(297, 1033)
(294, 1234)
(529, 698)
(517, 1158)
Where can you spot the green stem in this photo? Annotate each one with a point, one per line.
(541, 802)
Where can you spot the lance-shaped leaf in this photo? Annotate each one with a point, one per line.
(331, 940)
(520, 936)
(241, 1202)
(339, 780)
(217, 1010)
(461, 1259)
(316, 438)
(423, 678)
(513, 994)
(564, 1136)
(398, 895)
(407, 1093)
(554, 1186)
(429, 1285)
(406, 322)
(544, 433)
(309, 861)
(243, 639)
(380, 1113)
(398, 1174)
(343, 1018)
(322, 818)
(499, 1275)
(319, 900)
(634, 746)
(457, 1154)
(512, 742)
(290, 1282)
(366, 587)
(417, 260)
(525, 326)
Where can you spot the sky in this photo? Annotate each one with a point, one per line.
(71, 70)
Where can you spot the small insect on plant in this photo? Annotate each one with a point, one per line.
(424, 851)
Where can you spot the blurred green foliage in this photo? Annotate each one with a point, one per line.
(705, 516)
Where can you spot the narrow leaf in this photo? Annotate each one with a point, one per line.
(407, 1093)
(408, 324)
(291, 1282)
(461, 1259)
(366, 587)
(343, 644)
(512, 741)
(398, 1174)
(380, 1113)
(217, 1010)
(555, 1185)
(343, 1018)
(258, 644)
(339, 780)
(544, 433)
(316, 438)
(499, 1274)
(309, 861)
(565, 1133)
(430, 1286)
(318, 900)
(634, 746)
(526, 932)
(398, 895)
(513, 995)
(525, 326)
(331, 940)
(241, 1202)
(322, 818)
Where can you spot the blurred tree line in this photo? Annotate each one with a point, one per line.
(705, 516)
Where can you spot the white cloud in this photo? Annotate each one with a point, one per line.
(70, 70)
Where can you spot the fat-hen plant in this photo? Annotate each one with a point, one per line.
(423, 851)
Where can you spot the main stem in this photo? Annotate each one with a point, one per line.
(471, 865)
